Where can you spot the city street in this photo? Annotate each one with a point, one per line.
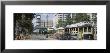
(38, 37)
(42, 37)
(52, 37)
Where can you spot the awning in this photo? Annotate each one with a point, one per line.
(60, 28)
(80, 24)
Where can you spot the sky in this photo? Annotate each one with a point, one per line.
(51, 16)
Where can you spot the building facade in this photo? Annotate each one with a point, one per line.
(47, 24)
(61, 16)
(36, 22)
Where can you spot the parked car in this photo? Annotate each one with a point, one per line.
(66, 36)
(51, 30)
(88, 36)
(43, 31)
(75, 36)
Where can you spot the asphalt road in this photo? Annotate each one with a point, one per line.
(38, 37)
(45, 37)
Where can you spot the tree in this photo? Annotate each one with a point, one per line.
(81, 17)
(60, 23)
(69, 20)
(94, 17)
(24, 21)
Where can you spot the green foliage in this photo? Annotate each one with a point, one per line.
(69, 20)
(81, 17)
(95, 17)
(60, 22)
(24, 21)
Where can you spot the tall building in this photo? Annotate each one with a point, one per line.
(47, 24)
(36, 22)
(61, 16)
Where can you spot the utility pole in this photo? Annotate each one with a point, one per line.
(47, 20)
(63, 20)
(44, 23)
(71, 15)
